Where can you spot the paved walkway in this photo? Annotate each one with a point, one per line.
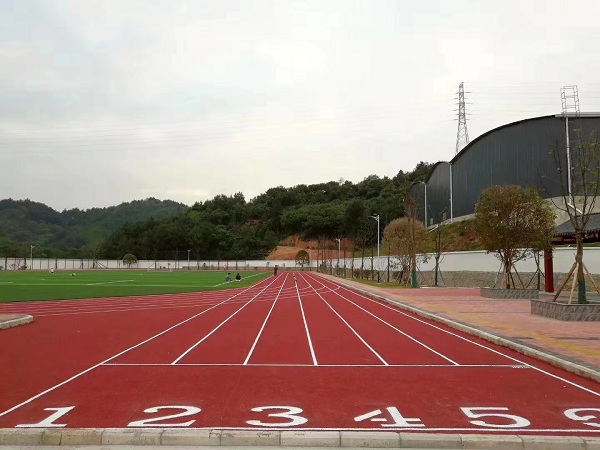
(578, 342)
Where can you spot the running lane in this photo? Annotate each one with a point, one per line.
(231, 340)
(53, 349)
(167, 347)
(394, 345)
(430, 398)
(284, 339)
(458, 346)
(332, 339)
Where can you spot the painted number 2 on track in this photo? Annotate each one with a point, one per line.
(166, 416)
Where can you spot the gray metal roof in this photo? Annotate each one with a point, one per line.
(581, 114)
(566, 228)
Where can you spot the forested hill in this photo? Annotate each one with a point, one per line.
(74, 232)
(229, 227)
(225, 227)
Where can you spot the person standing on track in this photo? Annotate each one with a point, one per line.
(275, 271)
(295, 281)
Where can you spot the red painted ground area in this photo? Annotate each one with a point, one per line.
(249, 359)
(448, 344)
(284, 339)
(329, 397)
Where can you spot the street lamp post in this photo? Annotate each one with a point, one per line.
(376, 218)
(425, 186)
(189, 259)
(339, 244)
(31, 255)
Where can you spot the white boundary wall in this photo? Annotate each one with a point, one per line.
(473, 261)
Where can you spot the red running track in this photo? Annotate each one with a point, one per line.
(292, 351)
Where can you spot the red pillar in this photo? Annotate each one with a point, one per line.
(548, 271)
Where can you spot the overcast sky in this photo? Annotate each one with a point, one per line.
(106, 101)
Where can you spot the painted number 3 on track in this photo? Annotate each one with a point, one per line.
(290, 416)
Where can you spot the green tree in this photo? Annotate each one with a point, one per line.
(302, 258)
(129, 260)
(580, 189)
(512, 222)
(404, 237)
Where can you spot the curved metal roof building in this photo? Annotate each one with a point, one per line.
(527, 153)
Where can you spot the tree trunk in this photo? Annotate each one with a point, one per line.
(581, 294)
(507, 269)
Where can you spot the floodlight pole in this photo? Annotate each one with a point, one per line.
(376, 218)
(339, 245)
(31, 255)
(425, 186)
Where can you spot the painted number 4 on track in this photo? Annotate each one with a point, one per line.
(489, 417)
(165, 416)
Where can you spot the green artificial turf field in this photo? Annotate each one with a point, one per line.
(19, 286)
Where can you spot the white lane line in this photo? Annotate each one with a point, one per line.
(109, 302)
(220, 325)
(404, 366)
(112, 303)
(264, 323)
(146, 307)
(421, 429)
(310, 345)
(73, 306)
(349, 326)
(109, 282)
(473, 342)
(394, 328)
(111, 358)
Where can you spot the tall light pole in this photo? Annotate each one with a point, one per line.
(425, 186)
(189, 259)
(31, 255)
(339, 244)
(376, 218)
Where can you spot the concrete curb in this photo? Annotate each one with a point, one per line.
(298, 438)
(23, 320)
(554, 360)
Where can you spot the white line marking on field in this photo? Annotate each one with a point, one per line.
(397, 310)
(264, 323)
(113, 357)
(219, 326)
(349, 326)
(229, 282)
(394, 328)
(109, 282)
(312, 350)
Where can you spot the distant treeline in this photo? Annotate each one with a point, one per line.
(226, 227)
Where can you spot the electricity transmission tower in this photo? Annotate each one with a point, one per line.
(462, 135)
